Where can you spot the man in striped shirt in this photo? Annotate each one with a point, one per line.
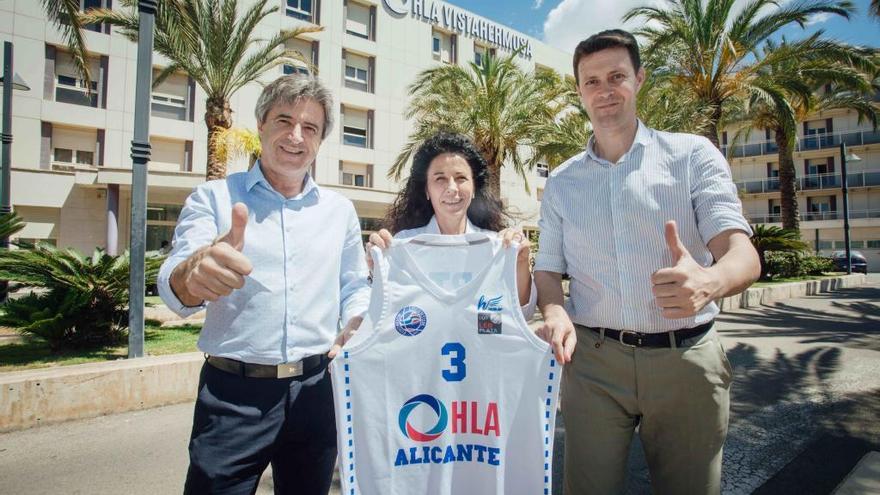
(649, 228)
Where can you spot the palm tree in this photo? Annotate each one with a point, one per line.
(771, 238)
(82, 301)
(216, 46)
(497, 104)
(237, 142)
(707, 49)
(10, 223)
(792, 89)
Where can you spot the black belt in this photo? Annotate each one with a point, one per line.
(639, 339)
(301, 369)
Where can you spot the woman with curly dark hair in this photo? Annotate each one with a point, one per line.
(447, 193)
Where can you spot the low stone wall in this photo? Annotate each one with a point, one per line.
(35, 397)
(757, 296)
(32, 398)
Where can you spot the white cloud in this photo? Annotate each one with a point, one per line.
(574, 20)
(537, 4)
(819, 18)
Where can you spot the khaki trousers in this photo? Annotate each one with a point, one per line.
(678, 396)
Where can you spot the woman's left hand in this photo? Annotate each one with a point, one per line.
(509, 235)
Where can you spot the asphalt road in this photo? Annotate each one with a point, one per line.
(805, 409)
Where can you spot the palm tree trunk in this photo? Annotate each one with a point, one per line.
(218, 117)
(787, 181)
(711, 132)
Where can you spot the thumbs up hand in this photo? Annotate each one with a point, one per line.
(686, 287)
(215, 271)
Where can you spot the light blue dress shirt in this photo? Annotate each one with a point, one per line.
(603, 224)
(432, 227)
(309, 268)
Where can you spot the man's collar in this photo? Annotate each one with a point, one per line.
(644, 136)
(255, 176)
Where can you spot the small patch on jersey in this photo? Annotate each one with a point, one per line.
(488, 323)
(410, 321)
(492, 304)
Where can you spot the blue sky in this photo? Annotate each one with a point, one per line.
(563, 22)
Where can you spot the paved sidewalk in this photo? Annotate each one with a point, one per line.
(805, 409)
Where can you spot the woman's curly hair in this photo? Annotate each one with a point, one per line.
(411, 209)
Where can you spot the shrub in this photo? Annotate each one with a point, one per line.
(80, 302)
(790, 264)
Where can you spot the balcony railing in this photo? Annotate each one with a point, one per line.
(805, 143)
(813, 216)
(812, 182)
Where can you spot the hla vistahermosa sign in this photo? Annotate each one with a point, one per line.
(462, 22)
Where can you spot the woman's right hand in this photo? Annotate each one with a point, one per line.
(381, 240)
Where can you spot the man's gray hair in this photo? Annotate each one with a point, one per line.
(288, 89)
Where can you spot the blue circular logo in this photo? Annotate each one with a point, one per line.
(410, 321)
(411, 432)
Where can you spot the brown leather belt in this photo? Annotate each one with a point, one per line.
(301, 369)
(661, 339)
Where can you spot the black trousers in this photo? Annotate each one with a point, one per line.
(242, 424)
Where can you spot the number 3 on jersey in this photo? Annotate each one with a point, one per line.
(457, 370)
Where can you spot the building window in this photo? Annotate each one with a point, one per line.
(300, 9)
(168, 100)
(306, 51)
(161, 219)
(354, 136)
(357, 71)
(355, 174)
(294, 69)
(74, 147)
(85, 5)
(359, 20)
(543, 169)
(443, 46)
(875, 244)
(356, 126)
(481, 52)
(70, 88)
(821, 208)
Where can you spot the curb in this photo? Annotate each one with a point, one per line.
(45, 396)
(765, 296)
(36, 397)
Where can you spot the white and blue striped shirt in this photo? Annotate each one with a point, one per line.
(603, 224)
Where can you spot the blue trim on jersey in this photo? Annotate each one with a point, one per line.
(548, 417)
(349, 436)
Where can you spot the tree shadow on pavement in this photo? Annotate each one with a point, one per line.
(855, 322)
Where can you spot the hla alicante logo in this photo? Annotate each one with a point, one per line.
(466, 418)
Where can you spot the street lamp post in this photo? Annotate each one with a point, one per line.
(844, 188)
(9, 82)
(140, 157)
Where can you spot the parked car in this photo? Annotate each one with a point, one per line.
(857, 261)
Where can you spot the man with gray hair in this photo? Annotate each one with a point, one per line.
(278, 263)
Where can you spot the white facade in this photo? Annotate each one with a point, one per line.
(817, 160)
(71, 164)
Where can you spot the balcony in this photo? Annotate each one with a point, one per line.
(804, 143)
(813, 182)
(814, 216)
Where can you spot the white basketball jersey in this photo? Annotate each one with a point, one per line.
(445, 389)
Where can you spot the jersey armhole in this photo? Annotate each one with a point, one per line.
(378, 299)
(510, 256)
